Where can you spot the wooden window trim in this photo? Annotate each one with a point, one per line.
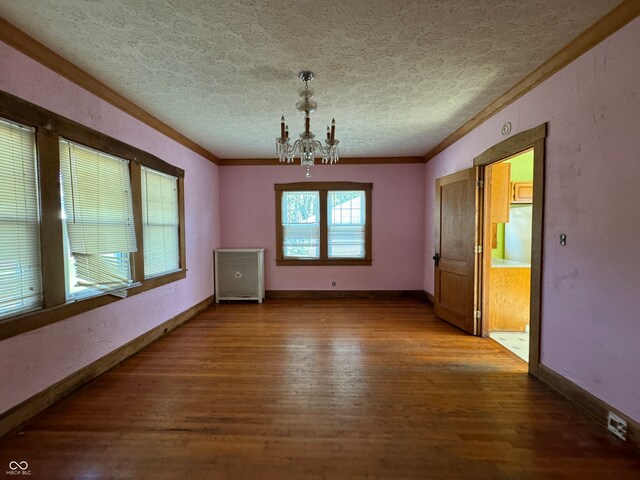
(50, 127)
(323, 188)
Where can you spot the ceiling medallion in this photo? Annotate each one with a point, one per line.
(307, 147)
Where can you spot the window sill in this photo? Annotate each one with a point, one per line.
(155, 282)
(40, 318)
(282, 262)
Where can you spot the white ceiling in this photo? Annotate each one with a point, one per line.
(398, 76)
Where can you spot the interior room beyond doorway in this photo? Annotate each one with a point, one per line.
(507, 271)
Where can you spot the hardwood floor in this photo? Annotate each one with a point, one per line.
(325, 389)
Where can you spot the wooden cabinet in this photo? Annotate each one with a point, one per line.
(496, 198)
(521, 192)
(498, 183)
(509, 296)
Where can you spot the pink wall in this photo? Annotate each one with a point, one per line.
(247, 201)
(590, 303)
(37, 359)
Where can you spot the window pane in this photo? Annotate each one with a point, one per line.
(301, 225)
(20, 270)
(346, 224)
(160, 223)
(98, 213)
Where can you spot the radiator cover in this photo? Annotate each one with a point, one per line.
(239, 274)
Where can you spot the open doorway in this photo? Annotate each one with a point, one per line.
(506, 264)
(532, 140)
(461, 249)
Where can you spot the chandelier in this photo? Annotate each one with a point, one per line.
(307, 147)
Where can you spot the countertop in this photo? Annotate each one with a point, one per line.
(503, 263)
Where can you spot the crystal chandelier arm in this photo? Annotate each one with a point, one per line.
(284, 150)
(292, 150)
(318, 149)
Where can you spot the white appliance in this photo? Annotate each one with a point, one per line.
(517, 234)
(239, 274)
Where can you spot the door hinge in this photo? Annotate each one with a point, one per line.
(478, 315)
(480, 184)
(478, 248)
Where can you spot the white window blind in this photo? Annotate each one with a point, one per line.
(20, 271)
(346, 224)
(99, 220)
(301, 225)
(160, 223)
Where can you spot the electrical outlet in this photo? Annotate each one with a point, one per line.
(617, 426)
(333, 284)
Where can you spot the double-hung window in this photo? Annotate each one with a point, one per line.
(20, 271)
(346, 224)
(323, 223)
(301, 225)
(160, 223)
(99, 223)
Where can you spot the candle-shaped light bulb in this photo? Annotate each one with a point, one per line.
(282, 127)
(333, 129)
(328, 133)
(286, 131)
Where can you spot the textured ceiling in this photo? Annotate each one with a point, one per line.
(398, 76)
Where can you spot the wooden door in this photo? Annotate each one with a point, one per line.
(455, 257)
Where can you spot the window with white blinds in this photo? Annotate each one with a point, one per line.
(301, 225)
(72, 220)
(346, 222)
(160, 223)
(20, 271)
(98, 212)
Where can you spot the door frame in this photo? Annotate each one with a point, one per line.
(532, 138)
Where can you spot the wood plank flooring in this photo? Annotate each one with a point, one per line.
(327, 389)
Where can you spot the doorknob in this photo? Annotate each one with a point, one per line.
(436, 258)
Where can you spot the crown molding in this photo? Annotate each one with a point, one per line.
(26, 44)
(243, 162)
(617, 18)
